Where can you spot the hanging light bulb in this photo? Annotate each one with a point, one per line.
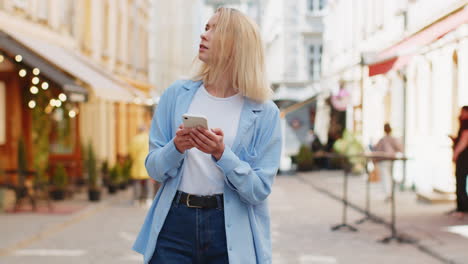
(58, 103)
(72, 114)
(62, 97)
(32, 104)
(18, 58)
(35, 80)
(1, 58)
(45, 85)
(22, 73)
(36, 71)
(52, 102)
(34, 90)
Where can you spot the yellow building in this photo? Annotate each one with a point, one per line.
(93, 56)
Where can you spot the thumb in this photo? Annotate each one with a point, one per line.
(217, 131)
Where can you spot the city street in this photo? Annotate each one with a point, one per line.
(301, 221)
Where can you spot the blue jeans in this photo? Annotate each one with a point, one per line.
(191, 235)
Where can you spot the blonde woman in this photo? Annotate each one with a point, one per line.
(212, 206)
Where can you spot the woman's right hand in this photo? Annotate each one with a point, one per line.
(182, 140)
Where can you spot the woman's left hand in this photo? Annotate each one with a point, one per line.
(209, 142)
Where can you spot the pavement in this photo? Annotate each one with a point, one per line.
(304, 207)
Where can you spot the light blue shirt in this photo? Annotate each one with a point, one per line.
(249, 167)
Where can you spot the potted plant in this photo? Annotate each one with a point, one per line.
(94, 190)
(114, 179)
(125, 171)
(305, 159)
(20, 188)
(59, 183)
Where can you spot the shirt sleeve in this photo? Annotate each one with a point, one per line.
(252, 177)
(163, 160)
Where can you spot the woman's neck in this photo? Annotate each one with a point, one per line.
(222, 89)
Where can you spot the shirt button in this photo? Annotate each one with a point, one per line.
(230, 248)
(229, 225)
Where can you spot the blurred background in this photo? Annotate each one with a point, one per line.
(79, 80)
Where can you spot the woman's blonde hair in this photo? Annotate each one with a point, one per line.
(239, 53)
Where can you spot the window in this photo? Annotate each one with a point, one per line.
(312, 62)
(2, 114)
(20, 4)
(315, 61)
(63, 132)
(43, 11)
(310, 5)
(321, 4)
(319, 62)
(68, 16)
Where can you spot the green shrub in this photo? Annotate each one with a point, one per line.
(91, 168)
(115, 175)
(60, 179)
(305, 159)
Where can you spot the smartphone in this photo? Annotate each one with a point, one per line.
(192, 121)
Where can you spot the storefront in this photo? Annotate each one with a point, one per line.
(40, 108)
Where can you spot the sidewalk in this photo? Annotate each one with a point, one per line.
(439, 235)
(24, 227)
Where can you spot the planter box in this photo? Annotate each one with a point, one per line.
(94, 195)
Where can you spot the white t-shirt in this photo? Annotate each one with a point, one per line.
(201, 176)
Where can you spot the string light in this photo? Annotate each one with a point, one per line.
(36, 71)
(52, 102)
(45, 85)
(1, 58)
(18, 58)
(72, 114)
(22, 73)
(58, 103)
(35, 80)
(34, 90)
(32, 104)
(62, 97)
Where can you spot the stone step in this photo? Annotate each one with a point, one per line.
(435, 197)
(443, 191)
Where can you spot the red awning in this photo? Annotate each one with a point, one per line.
(400, 54)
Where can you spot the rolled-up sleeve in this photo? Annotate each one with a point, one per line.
(253, 177)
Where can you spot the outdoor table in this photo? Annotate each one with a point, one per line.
(369, 156)
(347, 170)
(394, 234)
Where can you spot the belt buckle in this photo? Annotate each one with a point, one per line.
(188, 202)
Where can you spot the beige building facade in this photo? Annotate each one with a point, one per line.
(104, 47)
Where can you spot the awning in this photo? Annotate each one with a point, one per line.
(400, 54)
(103, 83)
(12, 47)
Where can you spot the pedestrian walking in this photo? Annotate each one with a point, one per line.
(389, 146)
(212, 206)
(460, 157)
(138, 149)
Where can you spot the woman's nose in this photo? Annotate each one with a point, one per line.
(203, 36)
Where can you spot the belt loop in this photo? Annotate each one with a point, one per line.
(219, 202)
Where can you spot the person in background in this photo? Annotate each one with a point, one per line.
(460, 157)
(387, 146)
(212, 207)
(138, 149)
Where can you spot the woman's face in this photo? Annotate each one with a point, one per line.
(205, 50)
